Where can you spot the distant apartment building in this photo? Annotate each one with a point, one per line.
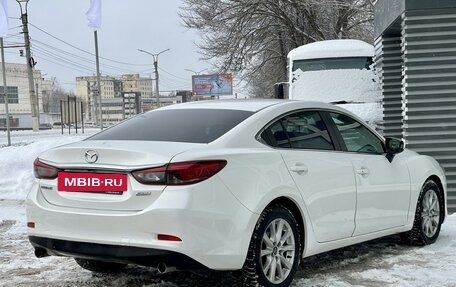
(19, 96)
(120, 97)
(87, 90)
(135, 83)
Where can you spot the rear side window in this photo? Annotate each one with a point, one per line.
(179, 125)
(301, 130)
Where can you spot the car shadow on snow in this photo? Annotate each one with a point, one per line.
(340, 262)
(374, 254)
(136, 276)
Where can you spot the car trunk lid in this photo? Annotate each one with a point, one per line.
(96, 160)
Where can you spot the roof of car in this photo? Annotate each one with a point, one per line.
(252, 105)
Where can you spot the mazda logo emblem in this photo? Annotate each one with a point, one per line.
(91, 156)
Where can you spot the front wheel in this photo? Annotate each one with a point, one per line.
(428, 216)
(274, 251)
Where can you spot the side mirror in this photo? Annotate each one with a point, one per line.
(279, 92)
(393, 146)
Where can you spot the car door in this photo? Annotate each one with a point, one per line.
(383, 187)
(323, 175)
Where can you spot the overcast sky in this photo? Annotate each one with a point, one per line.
(127, 26)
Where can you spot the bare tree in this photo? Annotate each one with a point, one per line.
(252, 38)
(52, 97)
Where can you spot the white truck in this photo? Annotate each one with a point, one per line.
(337, 71)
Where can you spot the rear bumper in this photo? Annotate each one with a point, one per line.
(215, 228)
(115, 253)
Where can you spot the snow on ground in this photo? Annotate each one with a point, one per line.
(16, 161)
(382, 262)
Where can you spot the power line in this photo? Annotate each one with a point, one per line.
(20, 26)
(59, 58)
(8, 43)
(84, 51)
(170, 83)
(169, 79)
(46, 46)
(59, 64)
(13, 36)
(166, 72)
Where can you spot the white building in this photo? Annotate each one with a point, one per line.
(86, 89)
(113, 92)
(135, 83)
(19, 95)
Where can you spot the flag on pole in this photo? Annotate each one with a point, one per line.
(3, 18)
(93, 15)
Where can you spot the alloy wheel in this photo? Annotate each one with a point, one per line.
(277, 251)
(430, 214)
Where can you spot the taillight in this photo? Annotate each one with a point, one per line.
(44, 171)
(156, 175)
(180, 173)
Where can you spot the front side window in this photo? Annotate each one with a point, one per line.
(357, 137)
(301, 130)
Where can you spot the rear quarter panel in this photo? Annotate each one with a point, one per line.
(256, 177)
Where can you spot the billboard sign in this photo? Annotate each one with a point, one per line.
(214, 85)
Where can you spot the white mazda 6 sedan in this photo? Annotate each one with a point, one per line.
(250, 185)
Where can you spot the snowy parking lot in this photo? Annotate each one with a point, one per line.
(383, 262)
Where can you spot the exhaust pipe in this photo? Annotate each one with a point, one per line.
(41, 252)
(163, 268)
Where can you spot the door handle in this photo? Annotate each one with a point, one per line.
(363, 171)
(299, 169)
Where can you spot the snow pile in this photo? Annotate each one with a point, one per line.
(350, 85)
(332, 49)
(16, 162)
(372, 113)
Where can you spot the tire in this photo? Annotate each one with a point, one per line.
(99, 266)
(285, 252)
(428, 216)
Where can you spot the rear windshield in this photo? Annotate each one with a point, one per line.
(180, 125)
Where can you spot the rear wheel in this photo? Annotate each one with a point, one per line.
(274, 251)
(428, 216)
(99, 266)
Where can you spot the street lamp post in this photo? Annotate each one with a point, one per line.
(155, 56)
(23, 4)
